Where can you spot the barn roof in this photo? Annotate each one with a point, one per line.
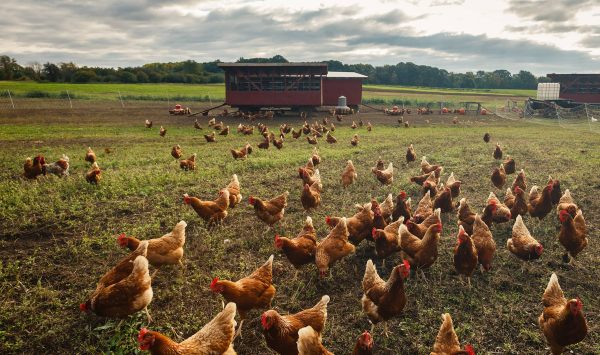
(344, 74)
(240, 65)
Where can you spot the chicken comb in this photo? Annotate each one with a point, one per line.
(142, 334)
(406, 264)
(469, 349)
(263, 320)
(403, 194)
(327, 219)
(83, 307)
(251, 200)
(213, 283)
(277, 241)
(374, 232)
(562, 215)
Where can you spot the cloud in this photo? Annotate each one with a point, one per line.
(549, 11)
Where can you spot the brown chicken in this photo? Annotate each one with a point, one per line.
(309, 342)
(315, 157)
(224, 131)
(278, 143)
(295, 134)
(94, 175)
(148, 124)
(567, 203)
(386, 177)
(235, 196)
(573, 234)
(499, 177)
(189, 163)
(446, 342)
(311, 196)
(466, 217)
(162, 132)
(403, 207)
(540, 204)
(520, 181)
(307, 171)
(270, 211)
(510, 167)
(210, 211)
(430, 185)
(420, 229)
(424, 209)
(426, 168)
(125, 297)
(387, 207)
(349, 174)
(465, 255)
(90, 156)
(522, 244)
(484, 243)
(378, 221)
(197, 124)
(516, 202)
(281, 332)
(166, 250)
(311, 140)
(330, 139)
(498, 152)
(421, 253)
(501, 213)
(369, 126)
(216, 337)
(301, 249)
(443, 200)
(380, 164)
(210, 138)
(264, 144)
(454, 185)
(562, 321)
(486, 137)
(364, 344)
(34, 168)
(353, 125)
(359, 225)
(176, 151)
(556, 192)
(332, 127)
(333, 248)
(354, 141)
(410, 154)
(383, 300)
(252, 292)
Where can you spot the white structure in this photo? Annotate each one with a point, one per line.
(548, 91)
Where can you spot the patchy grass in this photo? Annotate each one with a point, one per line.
(58, 235)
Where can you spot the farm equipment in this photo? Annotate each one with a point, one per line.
(180, 111)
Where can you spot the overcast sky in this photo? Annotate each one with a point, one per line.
(542, 36)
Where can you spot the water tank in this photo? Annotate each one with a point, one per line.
(342, 101)
(342, 106)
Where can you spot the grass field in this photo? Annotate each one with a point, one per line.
(428, 90)
(58, 235)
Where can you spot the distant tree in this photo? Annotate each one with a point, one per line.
(51, 72)
(84, 75)
(127, 76)
(68, 70)
(8, 67)
(142, 77)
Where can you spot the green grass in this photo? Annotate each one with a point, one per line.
(452, 91)
(58, 235)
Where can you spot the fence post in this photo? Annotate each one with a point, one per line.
(587, 113)
(69, 96)
(121, 98)
(11, 100)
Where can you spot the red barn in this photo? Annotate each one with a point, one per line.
(581, 88)
(298, 86)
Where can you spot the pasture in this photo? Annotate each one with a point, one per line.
(57, 236)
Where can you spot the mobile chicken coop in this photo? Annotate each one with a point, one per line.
(294, 86)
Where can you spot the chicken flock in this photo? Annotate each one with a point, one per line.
(393, 226)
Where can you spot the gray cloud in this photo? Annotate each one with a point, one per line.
(549, 11)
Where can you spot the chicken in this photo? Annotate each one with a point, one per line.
(148, 124)
(387, 207)
(300, 250)
(446, 342)
(540, 204)
(332, 127)
(252, 292)
(498, 152)
(270, 211)
(281, 332)
(501, 213)
(238, 154)
(176, 151)
(189, 163)
(443, 200)
(330, 138)
(307, 171)
(210, 138)
(499, 177)
(465, 255)
(520, 181)
(421, 253)
(94, 175)
(210, 211)
(264, 144)
(386, 177)
(353, 125)
(567, 203)
(556, 193)
(235, 196)
(402, 208)
(573, 234)
(310, 178)
(211, 122)
(349, 174)
(426, 168)
(387, 240)
(162, 132)
(364, 344)
(224, 131)
(166, 250)
(197, 124)
(562, 321)
(295, 134)
(278, 143)
(90, 156)
(516, 202)
(510, 166)
(383, 300)
(466, 217)
(522, 244)
(59, 168)
(311, 196)
(354, 141)
(312, 140)
(454, 185)
(378, 221)
(430, 185)
(410, 154)
(369, 126)
(125, 297)
(216, 337)
(309, 342)
(333, 248)
(359, 225)
(420, 229)
(380, 164)
(315, 157)
(486, 137)
(424, 209)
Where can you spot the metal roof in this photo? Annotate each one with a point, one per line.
(344, 74)
(226, 65)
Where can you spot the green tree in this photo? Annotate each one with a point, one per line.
(84, 75)
(51, 72)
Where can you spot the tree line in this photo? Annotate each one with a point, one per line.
(192, 72)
